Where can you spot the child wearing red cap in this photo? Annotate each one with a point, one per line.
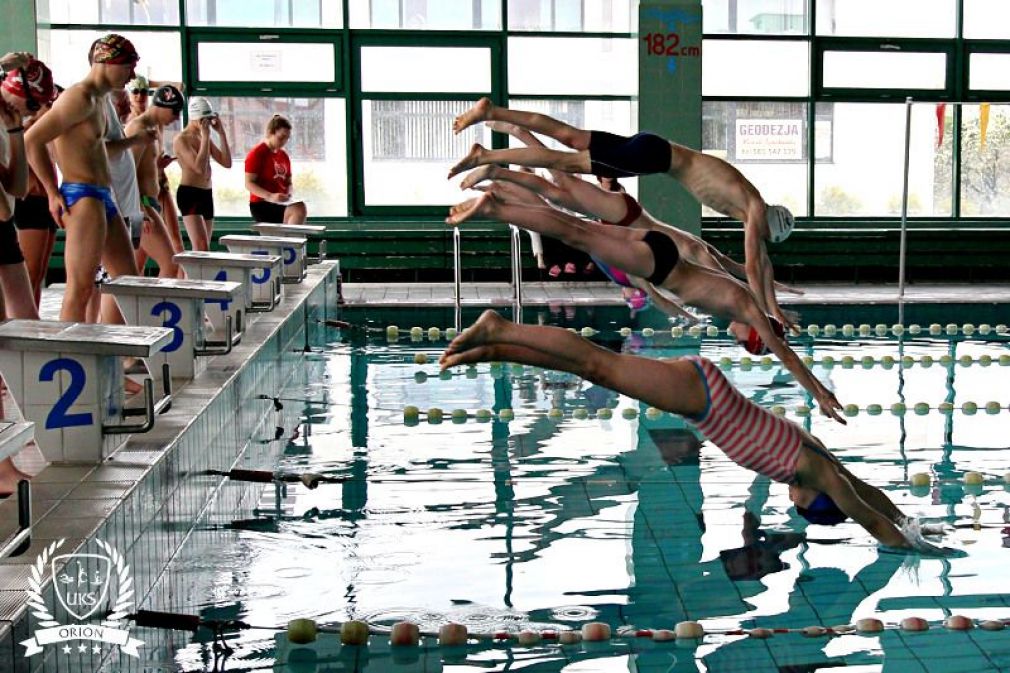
(83, 204)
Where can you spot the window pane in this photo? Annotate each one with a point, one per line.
(864, 176)
(767, 17)
(409, 147)
(890, 18)
(594, 16)
(463, 69)
(573, 65)
(885, 70)
(614, 116)
(767, 142)
(317, 149)
(989, 72)
(265, 13)
(744, 68)
(426, 14)
(985, 181)
(130, 12)
(66, 52)
(986, 19)
(266, 62)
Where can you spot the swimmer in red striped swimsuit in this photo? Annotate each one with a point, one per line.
(822, 489)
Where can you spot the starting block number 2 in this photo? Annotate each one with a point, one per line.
(58, 416)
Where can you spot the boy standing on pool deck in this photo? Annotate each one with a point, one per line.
(194, 149)
(83, 204)
(712, 181)
(823, 491)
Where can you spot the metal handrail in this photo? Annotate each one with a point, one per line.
(516, 246)
(515, 255)
(457, 266)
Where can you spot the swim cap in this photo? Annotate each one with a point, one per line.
(780, 223)
(823, 511)
(139, 83)
(114, 49)
(638, 300)
(614, 274)
(199, 107)
(33, 82)
(168, 97)
(754, 344)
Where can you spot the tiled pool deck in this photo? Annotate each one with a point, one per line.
(144, 499)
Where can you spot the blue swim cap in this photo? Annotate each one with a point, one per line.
(823, 511)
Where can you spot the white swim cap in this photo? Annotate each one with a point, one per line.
(199, 107)
(780, 222)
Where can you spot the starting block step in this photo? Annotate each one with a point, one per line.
(290, 248)
(13, 437)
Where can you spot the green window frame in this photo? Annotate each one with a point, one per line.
(360, 39)
(197, 36)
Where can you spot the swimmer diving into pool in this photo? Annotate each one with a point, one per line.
(652, 254)
(712, 181)
(821, 488)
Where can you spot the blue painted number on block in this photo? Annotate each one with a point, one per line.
(58, 416)
(222, 275)
(172, 322)
(289, 255)
(259, 280)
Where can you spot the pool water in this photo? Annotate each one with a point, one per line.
(560, 516)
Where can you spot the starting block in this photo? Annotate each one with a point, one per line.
(67, 378)
(177, 305)
(13, 437)
(259, 275)
(290, 248)
(315, 233)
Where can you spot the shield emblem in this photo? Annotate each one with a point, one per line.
(83, 584)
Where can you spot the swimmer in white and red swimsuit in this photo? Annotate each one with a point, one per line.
(821, 488)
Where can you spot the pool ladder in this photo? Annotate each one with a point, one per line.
(515, 254)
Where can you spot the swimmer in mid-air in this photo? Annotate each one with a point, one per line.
(652, 254)
(821, 488)
(712, 181)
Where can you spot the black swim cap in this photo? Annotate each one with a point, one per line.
(168, 97)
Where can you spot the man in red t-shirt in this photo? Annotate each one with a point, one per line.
(268, 177)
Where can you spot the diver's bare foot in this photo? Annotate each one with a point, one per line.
(9, 477)
(481, 333)
(131, 387)
(471, 159)
(471, 356)
(477, 113)
(482, 205)
(479, 174)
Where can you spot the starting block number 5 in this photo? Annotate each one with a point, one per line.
(259, 280)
